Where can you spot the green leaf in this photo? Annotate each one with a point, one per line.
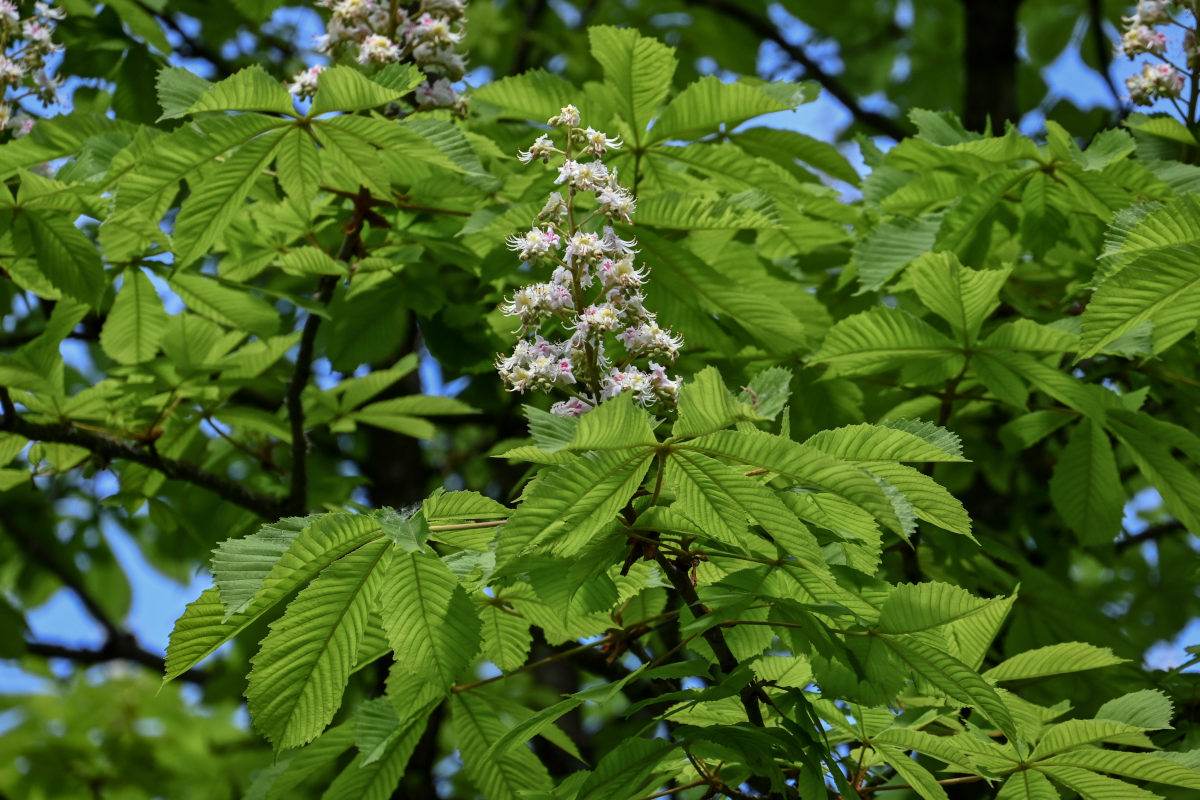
(905, 440)
(881, 339)
(1086, 486)
(768, 391)
(499, 776)
(218, 197)
(891, 246)
(1162, 289)
(638, 69)
(1055, 659)
(913, 608)
(614, 424)
(1075, 733)
(506, 637)
(1091, 786)
(293, 768)
(786, 147)
(240, 566)
(341, 88)
(570, 503)
(444, 507)
(953, 677)
(626, 768)
(705, 406)
(64, 253)
(298, 166)
(178, 90)
(961, 296)
(304, 664)
(430, 622)
(1028, 785)
(1042, 221)
(205, 625)
(237, 308)
(374, 774)
(534, 95)
(923, 783)
(805, 466)
(1148, 708)
(248, 89)
(136, 322)
(1139, 766)
(402, 414)
(1152, 453)
(707, 104)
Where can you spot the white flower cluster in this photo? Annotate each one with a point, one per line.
(382, 32)
(25, 44)
(1164, 79)
(595, 290)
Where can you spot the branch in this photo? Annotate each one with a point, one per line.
(297, 499)
(1104, 52)
(119, 644)
(1151, 534)
(113, 650)
(109, 447)
(766, 29)
(726, 660)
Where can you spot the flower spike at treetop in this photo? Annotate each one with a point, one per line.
(378, 32)
(1165, 79)
(595, 290)
(25, 44)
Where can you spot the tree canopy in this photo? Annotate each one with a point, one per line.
(548, 417)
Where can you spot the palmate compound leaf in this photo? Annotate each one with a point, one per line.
(302, 667)
(626, 768)
(571, 502)
(913, 608)
(206, 624)
(279, 781)
(891, 246)
(1028, 785)
(922, 781)
(1091, 786)
(430, 621)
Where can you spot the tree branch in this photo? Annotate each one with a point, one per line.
(1151, 534)
(109, 447)
(1104, 52)
(726, 660)
(113, 650)
(766, 29)
(119, 644)
(297, 499)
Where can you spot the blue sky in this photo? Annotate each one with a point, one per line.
(159, 600)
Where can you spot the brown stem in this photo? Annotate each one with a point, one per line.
(108, 447)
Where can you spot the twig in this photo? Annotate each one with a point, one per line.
(726, 660)
(113, 650)
(111, 448)
(1151, 534)
(765, 29)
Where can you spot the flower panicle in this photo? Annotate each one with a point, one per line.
(612, 344)
(427, 33)
(28, 42)
(1163, 80)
